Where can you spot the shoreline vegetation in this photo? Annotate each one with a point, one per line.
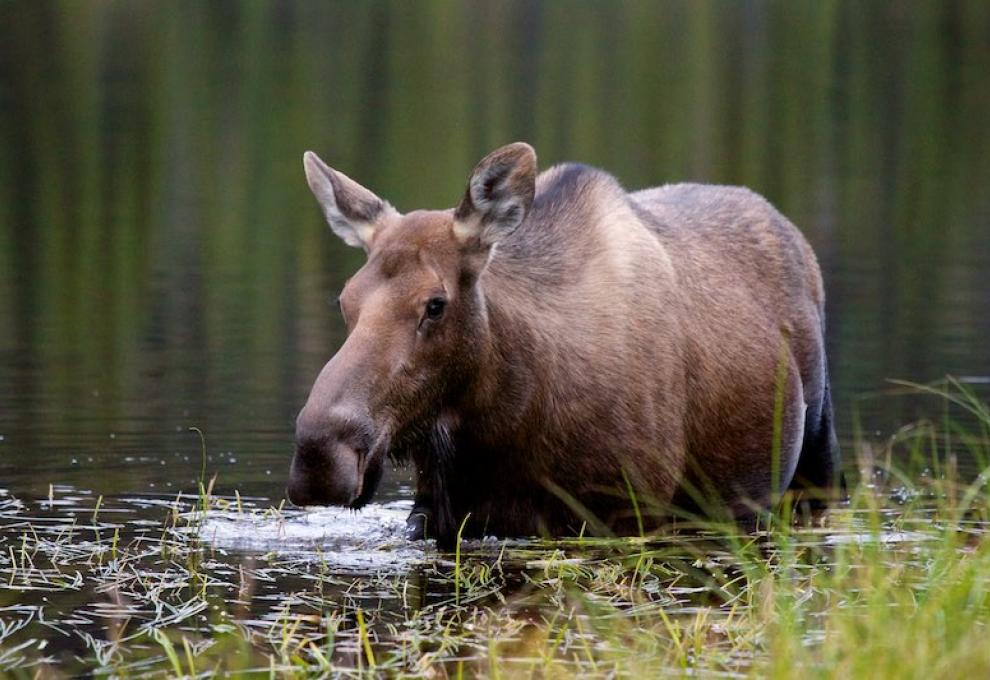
(894, 583)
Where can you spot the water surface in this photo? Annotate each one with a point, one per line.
(163, 265)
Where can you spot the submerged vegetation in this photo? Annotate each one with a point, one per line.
(895, 583)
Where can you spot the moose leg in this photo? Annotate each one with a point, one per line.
(431, 516)
(419, 524)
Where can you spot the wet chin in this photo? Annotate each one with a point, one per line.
(317, 487)
(309, 488)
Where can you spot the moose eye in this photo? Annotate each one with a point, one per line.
(434, 308)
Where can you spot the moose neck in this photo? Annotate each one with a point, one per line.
(509, 347)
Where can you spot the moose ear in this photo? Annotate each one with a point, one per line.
(353, 212)
(498, 197)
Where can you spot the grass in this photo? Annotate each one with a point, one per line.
(896, 583)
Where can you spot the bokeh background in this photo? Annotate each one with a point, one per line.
(163, 266)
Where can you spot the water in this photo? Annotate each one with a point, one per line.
(372, 540)
(164, 267)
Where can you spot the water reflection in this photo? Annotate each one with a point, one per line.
(162, 264)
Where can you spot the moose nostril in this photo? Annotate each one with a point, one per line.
(331, 458)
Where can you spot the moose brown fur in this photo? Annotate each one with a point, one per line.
(557, 352)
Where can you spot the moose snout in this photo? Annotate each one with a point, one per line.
(329, 463)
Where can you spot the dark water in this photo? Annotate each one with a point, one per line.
(163, 266)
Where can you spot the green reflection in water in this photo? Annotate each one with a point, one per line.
(163, 264)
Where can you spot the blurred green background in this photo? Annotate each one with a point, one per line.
(162, 264)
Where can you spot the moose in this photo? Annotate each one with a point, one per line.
(558, 355)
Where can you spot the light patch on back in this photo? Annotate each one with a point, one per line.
(627, 239)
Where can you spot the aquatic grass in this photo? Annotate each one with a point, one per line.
(205, 490)
(457, 559)
(895, 583)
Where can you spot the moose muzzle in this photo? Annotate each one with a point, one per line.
(332, 463)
